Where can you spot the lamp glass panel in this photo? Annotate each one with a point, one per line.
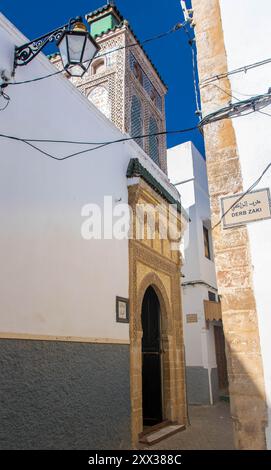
(76, 70)
(63, 50)
(76, 44)
(89, 52)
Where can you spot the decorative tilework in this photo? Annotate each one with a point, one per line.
(122, 85)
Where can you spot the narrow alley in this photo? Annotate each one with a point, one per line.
(210, 428)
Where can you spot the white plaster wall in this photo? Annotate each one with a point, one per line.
(199, 342)
(193, 304)
(247, 34)
(186, 163)
(180, 169)
(52, 282)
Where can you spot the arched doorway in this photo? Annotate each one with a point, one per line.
(151, 359)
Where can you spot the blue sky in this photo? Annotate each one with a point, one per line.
(171, 55)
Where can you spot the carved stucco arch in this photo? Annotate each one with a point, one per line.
(153, 280)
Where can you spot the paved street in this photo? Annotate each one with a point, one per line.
(211, 429)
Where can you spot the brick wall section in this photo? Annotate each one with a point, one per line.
(231, 247)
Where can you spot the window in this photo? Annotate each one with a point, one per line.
(153, 95)
(207, 248)
(138, 73)
(145, 82)
(136, 119)
(153, 141)
(211, 296)
(98, 66)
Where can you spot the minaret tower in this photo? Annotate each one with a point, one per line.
(123, 82)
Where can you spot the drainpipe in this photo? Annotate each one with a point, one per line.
(186, 394)
(210, 386)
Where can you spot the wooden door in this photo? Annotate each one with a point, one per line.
(151, 359)
(221, 357)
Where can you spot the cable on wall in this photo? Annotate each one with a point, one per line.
(6, 99)
(232, 111)
(244, 69)
(145, 41)
(97, 145)
(37, 78)
(237, 99)
(192, 44)
(241, 108)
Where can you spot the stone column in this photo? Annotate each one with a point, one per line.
(231, 246)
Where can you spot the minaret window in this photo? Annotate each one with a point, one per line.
(98, 66)
(153, 141)
(136, 119)
(153, 95)
(145, 82)
(138, 73)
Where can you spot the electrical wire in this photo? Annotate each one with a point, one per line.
(234, 109)
(191, 42)
(213, 117)
(232, 96)
(175, 28)
(29, 142)
(38, 78)
(244, 69)
(248, 95)
(123, 139)
(243, 195)
(258, 180)
(98, 145)
(6, 97)
(145, 41)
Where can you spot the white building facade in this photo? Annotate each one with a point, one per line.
(254, 146)
(72, 308)
(187, 171)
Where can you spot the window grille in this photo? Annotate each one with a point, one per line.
(145, 82)
(153, 141)
(136, 119)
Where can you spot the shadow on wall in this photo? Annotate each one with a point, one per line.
(247, 397)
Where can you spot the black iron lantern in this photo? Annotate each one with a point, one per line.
(76, 46)
(77, 49)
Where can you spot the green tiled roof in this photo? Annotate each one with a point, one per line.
(114, 28)
(136, 169)
(103, 9)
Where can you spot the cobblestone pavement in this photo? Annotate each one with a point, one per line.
(210, 429)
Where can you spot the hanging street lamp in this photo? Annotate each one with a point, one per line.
(76, 46)
(77, 49)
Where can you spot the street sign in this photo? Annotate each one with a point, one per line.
(252, 207)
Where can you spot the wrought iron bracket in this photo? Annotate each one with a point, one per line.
(25, 53)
